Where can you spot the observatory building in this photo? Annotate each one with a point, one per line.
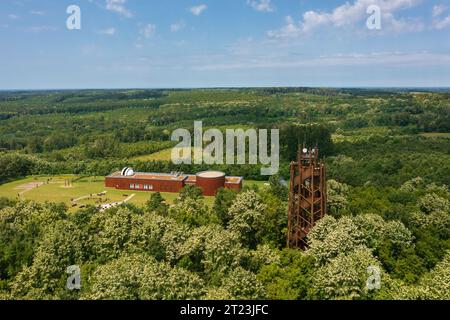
(209, 181)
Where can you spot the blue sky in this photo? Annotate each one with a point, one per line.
(222, 43)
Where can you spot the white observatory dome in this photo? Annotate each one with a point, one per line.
(127, 172)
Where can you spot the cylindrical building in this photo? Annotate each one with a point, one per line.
(210, 182)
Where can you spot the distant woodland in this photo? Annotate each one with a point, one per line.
(388, 160)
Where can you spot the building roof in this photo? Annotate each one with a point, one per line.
(233, 180)
(175, 177)
(150, 176)
(210, 174)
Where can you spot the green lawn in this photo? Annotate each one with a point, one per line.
(55, 190)
(436, 135)
(163, 155)
(259, 184)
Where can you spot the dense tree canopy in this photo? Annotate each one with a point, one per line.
(387, 157)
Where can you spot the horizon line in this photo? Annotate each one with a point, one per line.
(228, 87)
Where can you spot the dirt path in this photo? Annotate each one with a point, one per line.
(106, 206)
(29, 186)
(86, 197)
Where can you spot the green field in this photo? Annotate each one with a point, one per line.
(436, 135)
(84, 191)
(163, 155)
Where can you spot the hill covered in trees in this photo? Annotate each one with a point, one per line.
(388, 159)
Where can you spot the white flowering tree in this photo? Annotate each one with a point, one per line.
(140, 277)
(247, 214)
(111, 232)
(412, 185)
(192, 212)
(376, 230)
(262, 256)
(241, 284)
(215, 249)
(337, 196)
(436, 285)
(438, 220)
(345, 276)
(432, 203)
(156, 235)
(332, 237)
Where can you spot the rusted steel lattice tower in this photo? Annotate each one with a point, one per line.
(307, 196)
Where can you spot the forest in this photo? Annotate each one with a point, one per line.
(387, 154)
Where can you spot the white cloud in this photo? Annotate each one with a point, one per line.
(37, 13)
(438, 10)
(442, 23)
(13, 16)
(438, 22)
(348, 15)
(177, 26)
(118, 6)
(148, 31)
(391, 59)
(291, 29)
(262, 5)
(107, 32)
(404, 24)
(198, 10)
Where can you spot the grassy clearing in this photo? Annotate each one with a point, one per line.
(436, 135)
(163, 155)
(259, 184)
(54, 190)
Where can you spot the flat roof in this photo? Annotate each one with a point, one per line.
(150, 176)
(191, 178)
(211, 174)
(173, 177)
(233, 180)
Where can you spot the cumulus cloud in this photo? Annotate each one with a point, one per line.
(438, 10)
(348, 15)
(118, 6)
(440, 22)
(198, 10)
(262, 5)
(148, 30)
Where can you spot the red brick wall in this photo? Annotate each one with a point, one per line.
(210, 186)
(158, 185)
(234, 186)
